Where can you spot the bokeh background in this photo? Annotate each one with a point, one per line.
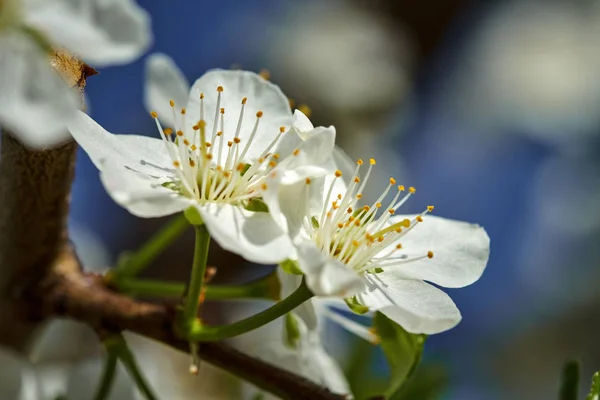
(491, 109)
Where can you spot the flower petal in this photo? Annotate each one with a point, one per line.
(138, 153)
(325, 275)
(415, 305)
(253, 235)
(141, 194)
(164, 82)
(321, 364)
(261, 95)
(35, 103)
(461, 251)
(101, 32)
(17, 377)
(305, 311)
(301, 123)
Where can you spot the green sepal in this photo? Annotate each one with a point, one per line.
(315, 222)
(594, 393)
(355, 306)
(291, 267)
(257, 205)
(402, 351)
(193, 216)
(291, 331)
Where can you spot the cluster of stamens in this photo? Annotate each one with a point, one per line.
(357, 235)
(209, 169)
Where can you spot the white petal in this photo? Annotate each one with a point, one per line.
(322, 365)
(261, 95)
(305, 311)
(139, 153)
(301, 123)
(253, 235)
(101, 32)
(326, 276)
(17, 377)
(35, 103)
(415, 305)
(141, 194)
(461, 251)
(164, 82)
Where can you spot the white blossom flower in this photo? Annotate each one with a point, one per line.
(379, 261)
(35, 104)
(216, 159)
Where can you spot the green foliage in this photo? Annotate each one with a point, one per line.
(594, 393)
(402, 350)
(569, 381)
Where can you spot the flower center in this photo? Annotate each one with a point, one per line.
(207, 168)
(357, 235)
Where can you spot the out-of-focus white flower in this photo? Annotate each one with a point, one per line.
(35, 104)
(533, 67)
(217, 158)
(17, 377)
(381, 262)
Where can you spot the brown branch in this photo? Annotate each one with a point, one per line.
(67, 292)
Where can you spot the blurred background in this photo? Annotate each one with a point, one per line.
(491, 109)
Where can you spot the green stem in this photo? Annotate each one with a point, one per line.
(108, 375)
(204, 333)
(117, 344)
(192, 298)
(266, 287)
(136, 262)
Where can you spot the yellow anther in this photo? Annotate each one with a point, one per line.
(180, 133)
(220, 89)
(168, 131)
(219, 133)
(340, 225)
(259, 114)
(412, 189)
(244, 100)
(392, 181)
(392, 211)
(282, 129)
(201, 95)
(193, 147)
(378, 205)
(334, 205)
(305, 110)
(352, 218)
(207, 144)
(349, 210)
(398, 230)
(261, 160)
(399, 246)
(328, 214)
(276, 156)
(186, 142)
(430, 208)
(355, 243)
(171, 103)
(176, 164)
(195, 127)
(419, 218)
(153, 114)
(307, 180)
(339, 196)
(430, 254)
(192, 163)
(272, 164)
(357, 222)
(296, 152)
(356, 179)
(369, 237)
(240, 167)
(372, 161)
(359, 196)
(236, 140)
(229, 143)
(183, 111)
(219, 168)
(359, 161)
(226, 174)
(380, 239)
(401, 188)
(265, 74)
(292, 102)
(338, 173)
(366, 208)
(264, 186)
(201, 124)
(222, 111)
(209, 156)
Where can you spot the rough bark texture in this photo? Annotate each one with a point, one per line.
(41, 277)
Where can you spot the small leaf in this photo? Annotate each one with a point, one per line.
(402, 350)
(595, 389)
(569, 381)
(291, 267)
